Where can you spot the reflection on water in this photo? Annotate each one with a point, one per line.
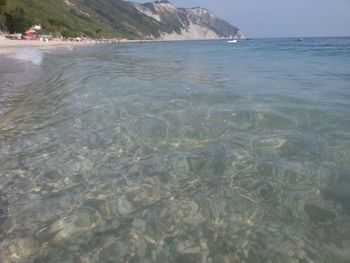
(170, 153)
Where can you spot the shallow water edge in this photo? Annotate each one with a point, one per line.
(177, 152)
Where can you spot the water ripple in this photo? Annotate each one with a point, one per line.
(131, 153)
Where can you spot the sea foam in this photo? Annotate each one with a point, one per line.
(30, 55)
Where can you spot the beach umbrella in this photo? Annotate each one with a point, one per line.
(30, 31)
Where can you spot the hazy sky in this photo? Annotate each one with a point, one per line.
(280, 18)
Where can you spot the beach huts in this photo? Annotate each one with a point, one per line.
(30, 34)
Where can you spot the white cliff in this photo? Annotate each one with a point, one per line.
(187, 23)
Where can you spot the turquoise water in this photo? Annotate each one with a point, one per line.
(177, 152)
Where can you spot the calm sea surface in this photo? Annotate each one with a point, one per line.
(203, 152)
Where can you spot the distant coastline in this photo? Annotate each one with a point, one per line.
(159, 20)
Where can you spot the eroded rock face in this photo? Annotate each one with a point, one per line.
(188, 23)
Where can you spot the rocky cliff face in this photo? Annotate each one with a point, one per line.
(188, 23)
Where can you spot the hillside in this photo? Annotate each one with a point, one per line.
(104, 18)
(112, 18)
(188, 23)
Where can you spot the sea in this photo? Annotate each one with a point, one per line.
(193, 151)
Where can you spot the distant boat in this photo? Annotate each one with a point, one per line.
(300, 39)
(232, 41)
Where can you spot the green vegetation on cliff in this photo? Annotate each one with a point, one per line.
(110, 18)
(103, 18)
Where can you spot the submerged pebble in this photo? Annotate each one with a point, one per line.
(18, 250)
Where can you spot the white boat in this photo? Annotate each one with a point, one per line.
(232, 41)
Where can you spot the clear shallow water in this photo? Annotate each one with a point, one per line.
(178, 152)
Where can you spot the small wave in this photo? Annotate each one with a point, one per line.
(31, 55)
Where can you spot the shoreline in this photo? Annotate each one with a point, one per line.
(10, 46)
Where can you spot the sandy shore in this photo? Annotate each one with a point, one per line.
(10, 46)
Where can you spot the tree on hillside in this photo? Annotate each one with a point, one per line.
(15, 20)
(2, 10)
(2, 6)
